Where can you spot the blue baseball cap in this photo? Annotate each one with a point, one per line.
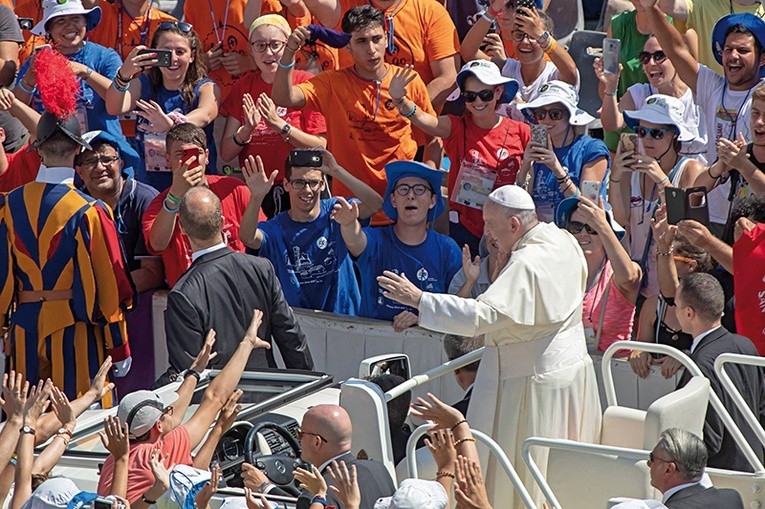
(397, 170)
(747, 20)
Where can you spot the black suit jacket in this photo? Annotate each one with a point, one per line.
(373, 478)
(219, 291)
(723, 451)
(699, 497)
(463, 404)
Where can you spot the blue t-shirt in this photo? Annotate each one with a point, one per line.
(169, 100)
(312, 262)
(430, 265)
(583, 150)
(91, 108)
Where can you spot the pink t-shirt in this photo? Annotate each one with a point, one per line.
(619, 314)
(176, 444)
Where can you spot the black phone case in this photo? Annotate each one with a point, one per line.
(679, 206)
(164, 57)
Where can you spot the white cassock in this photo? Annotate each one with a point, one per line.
(535, 376)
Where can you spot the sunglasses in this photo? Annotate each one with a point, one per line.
(555, 114)
(485, 95)
(657, 133)
(300, 434)
(575, 227)
(180, 25)
(645, 57)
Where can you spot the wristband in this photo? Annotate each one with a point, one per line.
(463, 421)
(551, 47)
(612, 94)
(262, 486)
(25, 89)
(191, 372)
(409, 115)
(441, 474)
(492, 12)
(468, 439)
(665, 179)
(147, 501)
(172, 198)
(119, 88)
(665, 253)
(576, 192)
(237, 142)
(168, 209)
(712, 176)
(320, 500)
(119, 76)
(485, 15)
(286, 66)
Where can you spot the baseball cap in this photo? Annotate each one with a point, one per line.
(142, 409)
(415, 494)
(54, 493)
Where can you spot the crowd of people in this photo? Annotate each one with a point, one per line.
(333, 155)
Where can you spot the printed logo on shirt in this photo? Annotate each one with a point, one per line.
(321, 243)
(422, 274)
(726, 115)
(502, 153)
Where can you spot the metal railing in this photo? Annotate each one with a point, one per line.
(738, 400)
(687, 362)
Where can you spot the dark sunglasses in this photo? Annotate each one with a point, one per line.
(555, 114)
(657, 133)
(575, 227)
(300, 434)
(485, 95)
(180, 25)
(645, 57)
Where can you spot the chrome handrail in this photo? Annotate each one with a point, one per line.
(733, 391)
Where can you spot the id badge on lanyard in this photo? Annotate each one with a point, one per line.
(475, 181)
(154, 152)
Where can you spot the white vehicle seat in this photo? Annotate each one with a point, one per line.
(637, 429)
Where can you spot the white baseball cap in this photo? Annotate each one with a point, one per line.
(487, 73)
(416, 494)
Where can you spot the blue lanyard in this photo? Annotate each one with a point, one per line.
(391, 27)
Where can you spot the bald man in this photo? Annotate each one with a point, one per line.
(325, 436)
(219, 291)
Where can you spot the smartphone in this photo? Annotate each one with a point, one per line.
(628, 142)
(611, 50)
(190, 152)
(590, 189)
(164, 56)
(527, 4)
(687, 204)
(539, 135)
(102, 503)
(306, 158)
(26, 23)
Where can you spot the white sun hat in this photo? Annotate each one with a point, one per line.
(556, 91)
(56, 8)
(664, 110)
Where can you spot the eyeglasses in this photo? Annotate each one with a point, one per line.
(575, 227)
(485, 95)
(300, 434)
(299, 184)
(657, 133)
(518, 36)
(645, 57)
(419, 189)
(555, 114)
(92, 162)
(180, 25)
(652, 458)
(167, 411)
(260, 46)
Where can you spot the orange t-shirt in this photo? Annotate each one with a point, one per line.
(423, 32)
(364, 128)
(29, 9)
(134, 31)
(227, 28)
(313, 58)
(7, 3)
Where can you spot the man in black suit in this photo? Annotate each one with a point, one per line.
(699, 306)
(219, 291)
(325, 436)
(677, 466)
(455, 347)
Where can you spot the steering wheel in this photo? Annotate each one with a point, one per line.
(277, 467)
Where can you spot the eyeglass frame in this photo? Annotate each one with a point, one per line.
(658, 57)
(653, 131)
(98, 159)
(268, 45)
(300, 184)
(523, 35)
(486, 95)
(409, 188)
(652, 459)
(299, 433)
(584, 226)
(548, 113)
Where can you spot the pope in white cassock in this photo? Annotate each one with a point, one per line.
(535, 377)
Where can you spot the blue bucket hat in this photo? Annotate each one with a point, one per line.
(749, 21)
(563, 215)
(487, 73)
(397, 170)
(128, 155)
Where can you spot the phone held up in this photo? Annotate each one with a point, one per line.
(611, 50)
(164, 56)
(687, 204)
(539, 135)
(190, 152)
(306, 158)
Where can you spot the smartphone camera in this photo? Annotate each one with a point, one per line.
(26, 23)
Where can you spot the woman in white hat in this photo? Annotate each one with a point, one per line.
(556, 171)
(639, 177)
(484, 147)
(65, 25)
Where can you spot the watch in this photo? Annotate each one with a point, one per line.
(191, 372)
(88, 72)
(286, 130)
(27, 430)
(64, 431)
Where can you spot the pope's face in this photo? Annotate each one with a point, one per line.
(500, 229)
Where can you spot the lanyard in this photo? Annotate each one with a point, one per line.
(390, 25)
(732, 130)
(222, 34)
(144, 30)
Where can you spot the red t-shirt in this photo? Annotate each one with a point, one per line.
(749, 285)
(266, 142)
(22, 169)
(489, 151)
(140, 478)
(233, 194)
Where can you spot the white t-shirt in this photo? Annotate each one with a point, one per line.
(726, 114)
(526, 93)
(693, 117)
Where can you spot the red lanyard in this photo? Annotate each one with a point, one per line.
(144, 30)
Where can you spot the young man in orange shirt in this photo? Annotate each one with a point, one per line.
(364, 130)
(421, 33)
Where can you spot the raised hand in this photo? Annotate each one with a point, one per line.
(153, 112)
(159, 469)
(135, 63)
(15, 391)
(37, 402)
(251, 114)
(663, 232)
(311, 481)
(471, 268)
(441, 446)
(255, 177)
(346, 487)
(610, 81)
(252, 331)
(249, 496)
(469, 490)
(696, 233)
(594, 215)
(344, 213)
(267, 110)
(493, 46)
(209, 489)
(99, 386)
(206, 354)
(398, 287)
(230, 411)
(437, 411)
(401, 78)
(62, 408)
(115, 437)
(297, 39)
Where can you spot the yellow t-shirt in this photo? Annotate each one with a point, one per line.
(702, 18)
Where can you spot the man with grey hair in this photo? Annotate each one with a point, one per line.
(535, 365)
(677, 466)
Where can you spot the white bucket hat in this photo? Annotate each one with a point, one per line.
(56, 8)
(415, 494)
(487, 73)
(664, 110)
(556, 91)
